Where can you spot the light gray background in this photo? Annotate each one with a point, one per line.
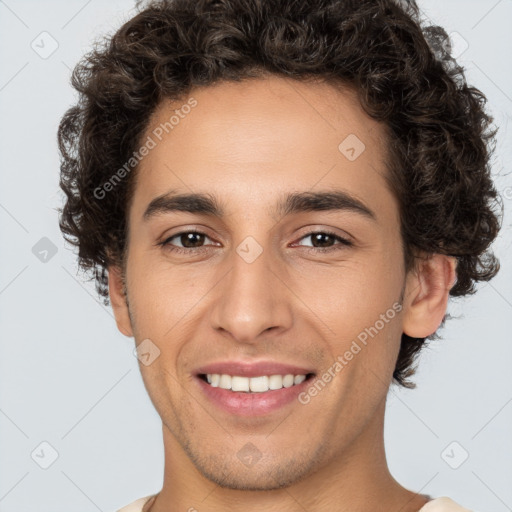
(70, 379)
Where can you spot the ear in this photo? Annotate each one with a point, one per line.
(426, 294)
(119, 301)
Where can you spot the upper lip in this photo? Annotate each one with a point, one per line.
(252, 369)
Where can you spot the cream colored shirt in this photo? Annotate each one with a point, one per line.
(443, 504)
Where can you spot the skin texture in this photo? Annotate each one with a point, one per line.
(248, 144)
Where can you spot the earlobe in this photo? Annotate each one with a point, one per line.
(426, 295)
(118, 300)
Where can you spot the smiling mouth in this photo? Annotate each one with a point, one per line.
(260, 384)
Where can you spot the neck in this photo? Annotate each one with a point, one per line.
(355, 480)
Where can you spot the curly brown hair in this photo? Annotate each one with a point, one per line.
(440, 136)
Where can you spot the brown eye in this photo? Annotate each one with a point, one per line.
(323, 240)
(189, 240)
(185, 241)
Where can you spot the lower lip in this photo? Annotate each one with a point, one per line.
(252, 404)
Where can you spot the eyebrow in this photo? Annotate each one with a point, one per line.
(296, 202)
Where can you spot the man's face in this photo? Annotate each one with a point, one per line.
(255, 284)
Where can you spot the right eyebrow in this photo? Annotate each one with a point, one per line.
(192, 203)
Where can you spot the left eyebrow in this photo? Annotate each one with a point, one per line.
(322, 201)
(297, 202)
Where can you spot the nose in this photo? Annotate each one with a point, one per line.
(252, 299)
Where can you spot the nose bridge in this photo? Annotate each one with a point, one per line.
(250, 299)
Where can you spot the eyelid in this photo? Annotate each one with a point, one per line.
(336, 232)
(165, 239)
(187, 228)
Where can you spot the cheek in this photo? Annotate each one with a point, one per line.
(357, 307)
(164, 296)
(352, 295)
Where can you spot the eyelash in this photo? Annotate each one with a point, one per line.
(183, 250)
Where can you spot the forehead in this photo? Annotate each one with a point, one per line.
(247, 139)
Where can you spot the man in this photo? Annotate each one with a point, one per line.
(278, 199)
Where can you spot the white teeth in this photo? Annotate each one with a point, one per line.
(288, 381)
(253, 384)
(298, 379)
(258, 384)
(225, 381)
(239, 384)
(275, 382)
